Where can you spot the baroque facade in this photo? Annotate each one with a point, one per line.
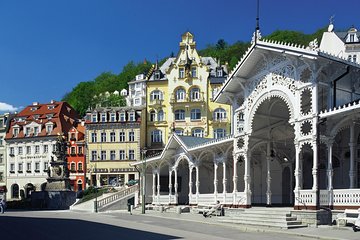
(113, 138)
(295, 136)
(179, 97)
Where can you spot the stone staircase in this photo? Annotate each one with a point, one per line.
(262, 217)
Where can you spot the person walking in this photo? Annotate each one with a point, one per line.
(2, 205)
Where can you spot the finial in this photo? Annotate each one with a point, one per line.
(257, 34)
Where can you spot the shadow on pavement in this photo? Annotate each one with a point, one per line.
(66, 229)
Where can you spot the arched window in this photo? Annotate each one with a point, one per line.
(79, 185)
(152, 116)
(156, 136)
(80, 167)
(160, 115)
(219, 133)
(179, 115)
(219, 114)
(180, 94)
(15, 191)
(156, 94)
(179, 131)
(72, 167)
(195, 94)
(197, 132)
(195, 114)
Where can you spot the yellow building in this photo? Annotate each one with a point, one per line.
(113, 137)
(179, 97)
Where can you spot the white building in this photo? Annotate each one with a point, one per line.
(295, 142)
(137, 91)
(4, 120)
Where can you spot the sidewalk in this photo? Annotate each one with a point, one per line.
(320, 232)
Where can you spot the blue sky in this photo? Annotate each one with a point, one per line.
(48, 47)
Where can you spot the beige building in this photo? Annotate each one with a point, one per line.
(113, 142)
(179, 97)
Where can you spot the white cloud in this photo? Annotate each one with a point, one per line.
(4, 107)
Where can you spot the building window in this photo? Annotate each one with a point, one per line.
(112, 136)
(179, 115)
(46, 148)
(36, 131)
(49, 129)
(1, 158)
(72, 151)
(193, 72)
(16, 132)
(181, 72)
(1, 141)
(219, 72)
(131, 154)
(219, 114)
(122, 117)
(80, 167)
(112, 155)
(20, 168)
(113, 117)
(195, 114)
(122, 136)
(46, 166)
(152, 116)
(20, 150)
(122, 155)
(12, 152)
(103, 137)
(103, 155)
(27, 132)
(72, 167)
(103, 117)
(93, 137)
(37, 166)
(132, 116)
(156, 136)
(28, 167)
(195, 94)
(156, 95)
(80, 149)
(28, 150)
(160, 115)
(12, 167)
(94, 118)
(198, 132)
(1, 176)
(93, 155)
(37, 149)
(179, 131)
(219, 133)
(131, 136)
(354, 58)
(180, 94)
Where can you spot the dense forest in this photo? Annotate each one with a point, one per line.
(82, 95)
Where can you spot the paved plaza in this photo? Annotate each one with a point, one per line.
(153, 225)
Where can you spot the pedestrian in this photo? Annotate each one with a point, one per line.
(2, 205)
(213, 209)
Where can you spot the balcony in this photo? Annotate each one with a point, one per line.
(199, 99)
(156, 102)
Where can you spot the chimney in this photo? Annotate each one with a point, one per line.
(35, 103)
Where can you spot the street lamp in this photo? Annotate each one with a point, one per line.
(143, 152)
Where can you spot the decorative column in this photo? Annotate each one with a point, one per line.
(176, 187)
(330, 173)
(247, 179)
(170, 185)
(297, 171)
(158, 185)
(224, 181)
(153, 185)
(215, 180)
(190, 183)
(235, 175)
(268, 175)
(352, 145)
(315, 166)
(197, 184)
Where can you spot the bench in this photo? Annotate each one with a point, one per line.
(349, 216)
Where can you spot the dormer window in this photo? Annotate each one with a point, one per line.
(112, 117)
(103, 117)
(36, 117)
(219, 72)
(122, 117)
(27, 131)
(50, 107)
(49, 128)
(49, 116)
(132, 116)
(94, 118)
(36, 131)
(181, 72)
(33, 109)
(16, 132)
(157, 75)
